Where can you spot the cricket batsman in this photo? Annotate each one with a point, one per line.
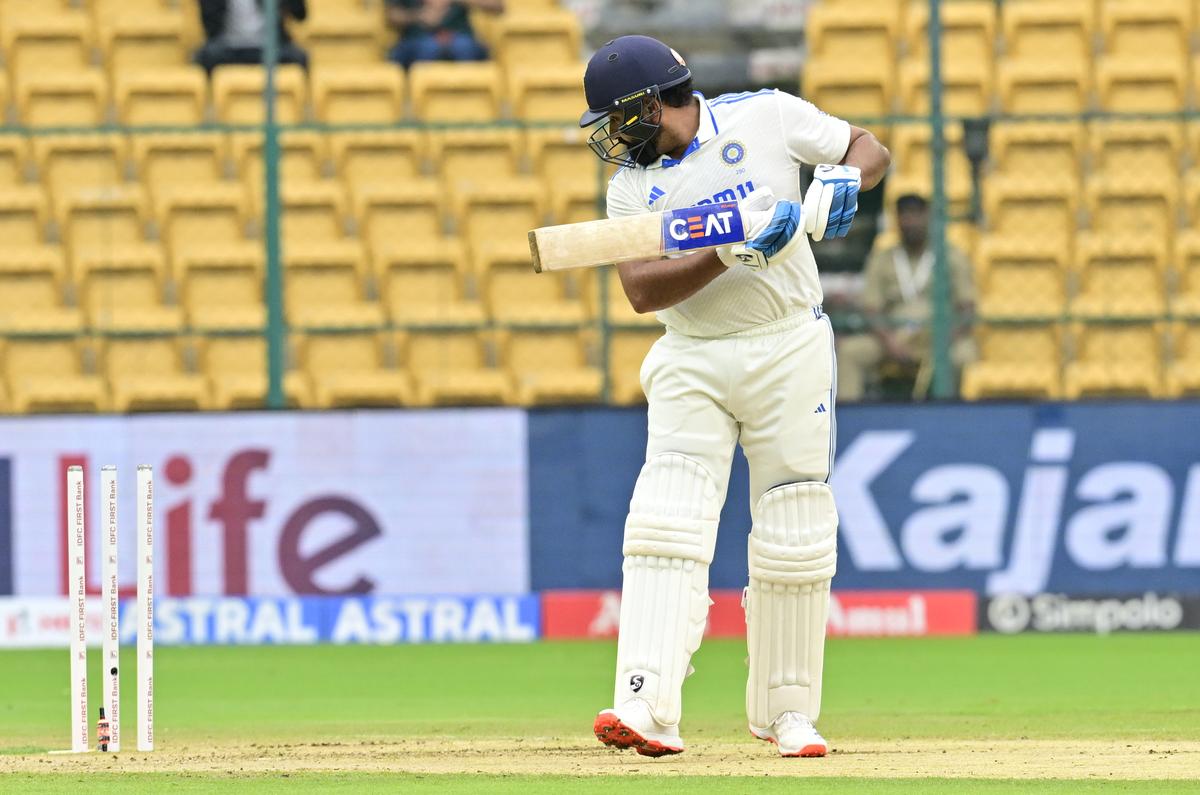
(747, 357)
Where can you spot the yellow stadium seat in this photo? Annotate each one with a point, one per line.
(968, 30)
(1185, 296)
(550, 366)
(10, 9)
(455, 92)
(966, 87)
(1115, 360)
(143, 42)
(499, 212)
(14, 154)
(237, 92)
(467, 156)
(423, 284)
(1183, 373)
(222, 288)
(23, 215)
(1019, 278)
(873, 33)
(312, 213)
(353, 369)
(1136, 146)
(173, 161)
(1141, 86)
(341, 40)
(415, 206)
(6, 98)
(964, 235)
(236, 366)
(1146, 204)
(1050, 29)
(573, 200)
(1191, 131)
(31, 292)
(1033, 149)
(63, 99)
(1015, 360)
(1049, 85)
(324, 287)
(555, 153)
(364, 94)
(452, 367)
(147, 373)
(1160, 30)
(102, 219)
(105, 11)
(193, 30)
(524, 6)
(1191, 198)
(302, 156)
(46, 374)
(122, 289)
(1119, 275)
(1045, 210)
(849, 88)
(386, 158)
(513, 293)
(344, 8)
(627, 350)
(73, 163)
(546, 95)
(199, 219)
(911, 153)
(58, 42)
(550, 38)
(164, 96)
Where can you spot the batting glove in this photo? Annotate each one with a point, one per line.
(770, 226)
(831, 201)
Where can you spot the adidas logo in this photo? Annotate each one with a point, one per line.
(656, 193)
(820, 409)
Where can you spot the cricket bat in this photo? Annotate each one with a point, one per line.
(636, 237)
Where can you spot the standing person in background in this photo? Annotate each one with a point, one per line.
(235, 32)
(897, 302)
(437, 30)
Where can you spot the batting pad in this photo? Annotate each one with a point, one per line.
(792, 557)
(669, 539)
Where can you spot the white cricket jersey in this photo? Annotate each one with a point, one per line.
(745, 141)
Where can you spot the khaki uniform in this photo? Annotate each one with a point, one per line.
(899, 290)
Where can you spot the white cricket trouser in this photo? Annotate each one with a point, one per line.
(771, 388)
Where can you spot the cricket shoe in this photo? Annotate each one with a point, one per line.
(632, 725)
(794, 734)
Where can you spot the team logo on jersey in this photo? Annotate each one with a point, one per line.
(733, 152)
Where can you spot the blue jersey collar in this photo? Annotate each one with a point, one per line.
(708, 130)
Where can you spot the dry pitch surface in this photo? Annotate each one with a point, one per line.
(937, 758)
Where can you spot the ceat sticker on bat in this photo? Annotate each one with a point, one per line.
(702, 226)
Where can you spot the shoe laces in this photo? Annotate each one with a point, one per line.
(789, 720)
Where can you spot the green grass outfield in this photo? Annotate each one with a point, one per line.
(924, 692)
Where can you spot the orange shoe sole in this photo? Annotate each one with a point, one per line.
(808, 751)
(611, 731)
